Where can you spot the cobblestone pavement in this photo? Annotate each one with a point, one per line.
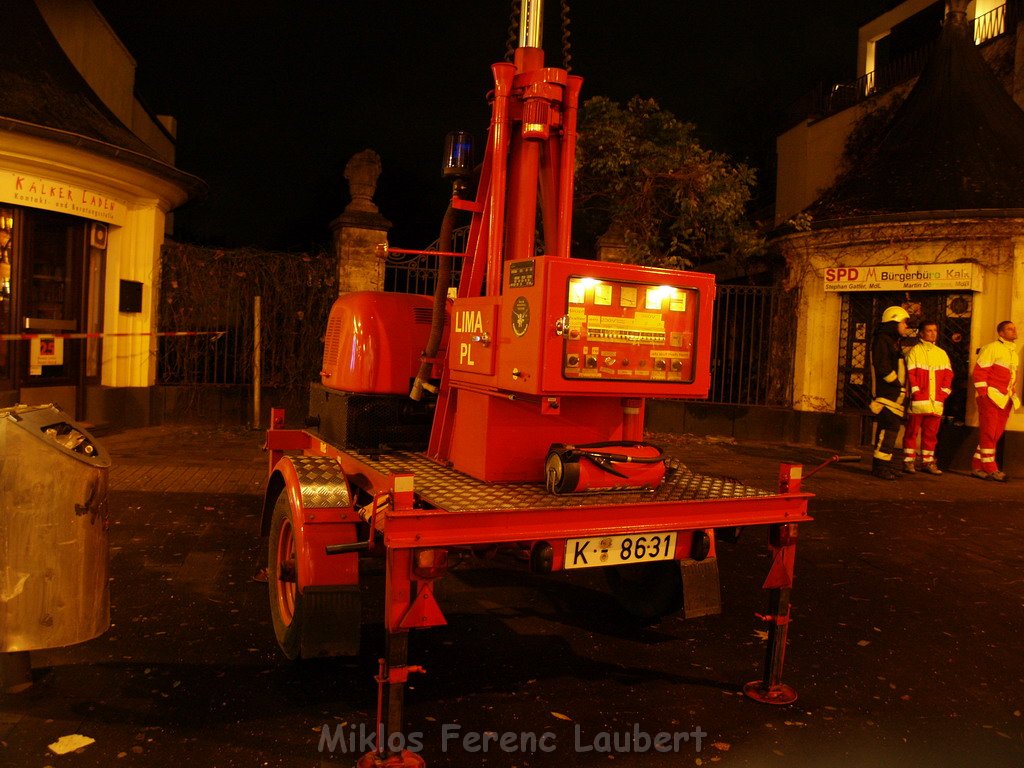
(904, 647)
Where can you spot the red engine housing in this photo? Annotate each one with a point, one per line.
(374, 342)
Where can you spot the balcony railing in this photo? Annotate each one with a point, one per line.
(826, 100)
(992, 24)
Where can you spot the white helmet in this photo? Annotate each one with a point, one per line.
(895, 314)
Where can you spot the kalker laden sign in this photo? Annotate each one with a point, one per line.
(38, 192)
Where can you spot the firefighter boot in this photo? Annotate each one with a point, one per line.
(882, 469)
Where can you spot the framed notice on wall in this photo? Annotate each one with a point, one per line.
(44, 350)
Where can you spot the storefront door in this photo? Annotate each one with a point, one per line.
(861, 313)
(7, 324)
(53, 253)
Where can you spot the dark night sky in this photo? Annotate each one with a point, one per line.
(273, 97)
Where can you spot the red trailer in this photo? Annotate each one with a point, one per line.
(523, 422)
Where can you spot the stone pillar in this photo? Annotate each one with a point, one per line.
(360, 228)
(611, 246)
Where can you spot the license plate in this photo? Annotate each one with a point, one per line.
(619, 550)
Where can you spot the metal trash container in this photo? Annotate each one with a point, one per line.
(54, 556)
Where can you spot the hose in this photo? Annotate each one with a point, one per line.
(444, 279)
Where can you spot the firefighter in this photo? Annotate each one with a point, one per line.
(930, 377)
(888, 388)
(995, 379)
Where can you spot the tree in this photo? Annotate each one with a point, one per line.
(641, 171)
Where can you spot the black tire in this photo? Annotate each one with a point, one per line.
(647, 591)
(285, 597)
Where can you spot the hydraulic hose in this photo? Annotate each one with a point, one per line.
(444, 279)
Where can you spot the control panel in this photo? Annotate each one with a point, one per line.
(571, 326)
(628, 331)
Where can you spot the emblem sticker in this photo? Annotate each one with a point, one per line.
(520, 316)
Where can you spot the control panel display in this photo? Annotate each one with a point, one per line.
(620, 331)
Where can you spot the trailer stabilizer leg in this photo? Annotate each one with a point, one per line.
(394, 678)
(779, 695)
(770, 689)
(404, 759)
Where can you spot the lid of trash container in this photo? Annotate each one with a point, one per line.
(52, 425)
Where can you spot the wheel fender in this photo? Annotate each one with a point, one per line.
(322, 513)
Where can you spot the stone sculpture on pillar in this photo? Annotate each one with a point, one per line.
(360, 228)
(362, 172)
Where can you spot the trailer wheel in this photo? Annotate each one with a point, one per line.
(647, 591)
(282, 580)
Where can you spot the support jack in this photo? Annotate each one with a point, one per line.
(392, 678)
(405, 759)
(770, 689)
(771, 694)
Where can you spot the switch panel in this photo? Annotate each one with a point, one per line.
(575, 327)
(629, 331)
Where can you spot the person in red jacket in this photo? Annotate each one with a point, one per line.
(995, 379)
(930, 378)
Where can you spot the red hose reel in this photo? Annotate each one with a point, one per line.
(608, 466)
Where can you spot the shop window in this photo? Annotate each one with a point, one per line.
(49, 299)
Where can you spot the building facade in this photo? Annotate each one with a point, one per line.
(928, 215)
(87, 186)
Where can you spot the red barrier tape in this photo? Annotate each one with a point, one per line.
(30, 336)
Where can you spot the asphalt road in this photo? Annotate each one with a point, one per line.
(904, 648)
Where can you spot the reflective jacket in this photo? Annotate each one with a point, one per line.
(888, 370)
(930, 377)
(995, 372)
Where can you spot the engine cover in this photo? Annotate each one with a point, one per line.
(374, 341)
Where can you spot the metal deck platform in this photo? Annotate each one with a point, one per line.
(454, 491)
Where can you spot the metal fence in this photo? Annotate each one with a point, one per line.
(416, 273)
(213, 358)
(214, 291)
(211, 290)
(752, 346)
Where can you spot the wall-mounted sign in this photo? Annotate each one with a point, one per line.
(898, 277)
(52, 195)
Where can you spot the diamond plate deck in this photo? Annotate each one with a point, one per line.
(322, 482)
(447, 489)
